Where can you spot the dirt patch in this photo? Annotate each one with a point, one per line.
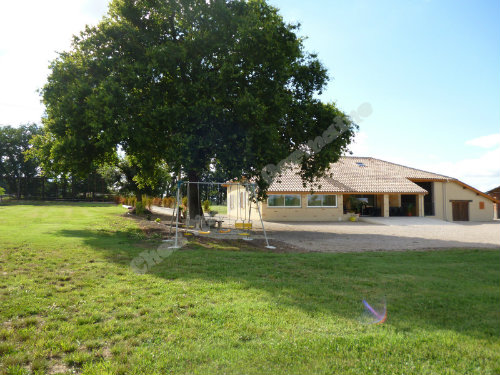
(58, 368)
(242, 245)
(151, 229)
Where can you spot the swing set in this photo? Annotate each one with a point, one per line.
(212, 225)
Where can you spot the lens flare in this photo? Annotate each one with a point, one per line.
(378, 315)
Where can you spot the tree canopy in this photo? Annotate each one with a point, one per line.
(120, 178)
(15, 169)
(190, 83)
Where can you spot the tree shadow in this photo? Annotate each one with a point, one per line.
(55, 203)
(431, 290)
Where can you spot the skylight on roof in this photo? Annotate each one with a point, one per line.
(360, 164)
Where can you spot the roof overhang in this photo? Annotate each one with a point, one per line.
(478, 192)
(347, 192)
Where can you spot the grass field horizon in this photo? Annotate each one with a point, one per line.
(71, 303)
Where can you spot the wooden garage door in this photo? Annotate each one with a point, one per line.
(460, 210)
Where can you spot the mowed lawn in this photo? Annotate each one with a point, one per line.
(70, 303)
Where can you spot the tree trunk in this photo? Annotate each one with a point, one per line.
(65, 188)
(194, 202)
(73, 187)
(18, 186)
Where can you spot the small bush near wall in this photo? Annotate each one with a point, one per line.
(147, 202)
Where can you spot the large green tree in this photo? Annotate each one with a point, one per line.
(16, 171)
(190, 83)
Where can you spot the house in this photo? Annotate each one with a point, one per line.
(368, 187)
(495, 193)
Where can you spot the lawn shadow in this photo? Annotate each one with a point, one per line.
(431, 290)
(9, 203)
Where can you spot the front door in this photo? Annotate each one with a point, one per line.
(460, 210)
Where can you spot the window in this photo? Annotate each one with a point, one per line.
(242, 200)
(283, 200)
(231, 201)
(321, 200)
(360, 164)
(481, 205)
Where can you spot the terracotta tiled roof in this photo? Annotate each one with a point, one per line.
(359, 175)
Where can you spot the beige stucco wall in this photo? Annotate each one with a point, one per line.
(304, 213)
(237, 212)
(446, 191)
(395, 200)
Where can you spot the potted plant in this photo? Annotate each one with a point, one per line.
(409, 209)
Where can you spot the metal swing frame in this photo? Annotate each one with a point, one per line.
(248, 187)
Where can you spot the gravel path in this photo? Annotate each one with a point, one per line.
(379, 234)
(360, 236)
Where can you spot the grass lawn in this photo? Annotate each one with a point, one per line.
(69, 302)
(221, 210)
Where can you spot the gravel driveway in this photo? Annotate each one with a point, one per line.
(391, 235)
(394, 233)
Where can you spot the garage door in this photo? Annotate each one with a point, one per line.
(460, 210)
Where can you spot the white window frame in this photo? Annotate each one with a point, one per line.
(284, 200)
(322, 200)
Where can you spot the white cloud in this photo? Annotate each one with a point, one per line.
(487, 141)
(482, 172)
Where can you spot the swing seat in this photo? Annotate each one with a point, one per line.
(188, 234)
(244, 234)
(243, 225)
(207, 232)
(224, 230)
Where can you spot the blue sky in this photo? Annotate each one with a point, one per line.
(429, 69)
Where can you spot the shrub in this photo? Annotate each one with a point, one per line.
(132, 201)
(164, 202)
(157, 201)
(139, 208)
(206, 205)
(147, 202)
(171, 202)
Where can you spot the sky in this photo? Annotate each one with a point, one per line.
(429, 70)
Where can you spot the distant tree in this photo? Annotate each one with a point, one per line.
(16, 171)
(190, 83)
(121, 179)
(2, 192)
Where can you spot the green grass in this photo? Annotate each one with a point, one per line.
(221, 210)
(69, 301)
